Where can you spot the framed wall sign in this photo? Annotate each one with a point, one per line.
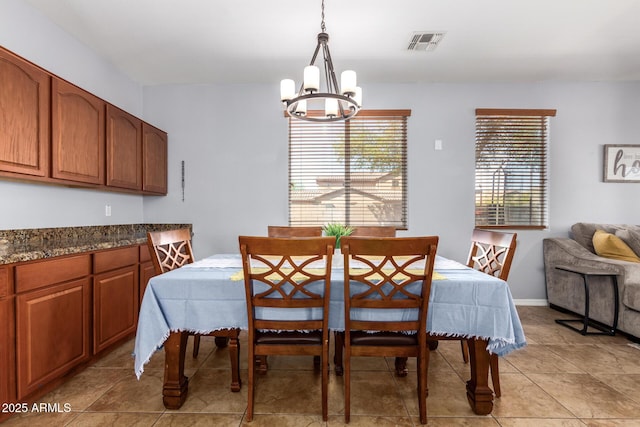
(621, 163)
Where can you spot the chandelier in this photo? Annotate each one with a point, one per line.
(338, 103)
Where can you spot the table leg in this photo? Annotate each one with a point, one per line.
(176, 384)
(479, 394)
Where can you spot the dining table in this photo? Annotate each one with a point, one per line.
(209, 295)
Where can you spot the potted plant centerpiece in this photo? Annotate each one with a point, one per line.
(337, 230)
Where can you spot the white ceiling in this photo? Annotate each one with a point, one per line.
(262, 41)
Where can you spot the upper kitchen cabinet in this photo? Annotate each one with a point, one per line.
(124, 149)
(78, 134)
(24, 118)
(55, 132)
(154, 160)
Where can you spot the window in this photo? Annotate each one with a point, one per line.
(352, 172)
(511, 168)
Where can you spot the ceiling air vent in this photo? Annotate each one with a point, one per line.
(425, 41)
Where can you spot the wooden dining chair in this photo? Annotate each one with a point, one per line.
(284, 231)
(492, 253)
(288, 231)
(374, 231)
(361, 231)
(287, 283)
(172, 249)
(382, 274)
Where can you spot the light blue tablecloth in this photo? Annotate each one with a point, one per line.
(202, 298)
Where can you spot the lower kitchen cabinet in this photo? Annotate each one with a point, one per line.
(115, 296)
(52, 333)
(52, 319)
(61, 312)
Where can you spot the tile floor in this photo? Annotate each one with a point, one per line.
(560, 379)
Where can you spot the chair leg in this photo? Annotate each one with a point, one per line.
(252, 360)
(464, 346)
(401, 367)
(337, 355)
(347, 386)
(234, 355)
(221, 342)
(324, 361)
(495, 375)
(196, 345)
(423, 392)
(263, 366)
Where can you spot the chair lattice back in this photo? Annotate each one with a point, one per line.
(492, 252)
(170, 249)
(285, 273)
(388, 273)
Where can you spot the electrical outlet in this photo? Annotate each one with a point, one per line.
(107, 210)
(438, 144)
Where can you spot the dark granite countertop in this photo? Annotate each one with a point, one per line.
(40, 243)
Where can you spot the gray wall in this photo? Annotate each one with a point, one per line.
(233, 140)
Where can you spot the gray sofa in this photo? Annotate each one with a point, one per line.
(565, 290)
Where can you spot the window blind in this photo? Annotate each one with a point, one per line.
(352, 172)
(511, 168)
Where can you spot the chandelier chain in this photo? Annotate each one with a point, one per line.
(322, 26)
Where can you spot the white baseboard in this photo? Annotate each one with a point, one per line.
(532, 302)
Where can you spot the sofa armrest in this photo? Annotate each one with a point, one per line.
(557, 251)
(567, 251)
(565, 289)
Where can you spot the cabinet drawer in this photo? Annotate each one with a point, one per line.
(40, 274)
(117, 258)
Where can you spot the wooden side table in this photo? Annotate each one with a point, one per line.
(586, 273)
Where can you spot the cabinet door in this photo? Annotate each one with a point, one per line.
(7, 353)
(78, 127)
(147, 271)
(115, 306)
(124, 149)
(154, 158)
(7, 341)
(24, 117)
(52, 333)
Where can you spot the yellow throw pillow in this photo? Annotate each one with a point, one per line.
(610, 246)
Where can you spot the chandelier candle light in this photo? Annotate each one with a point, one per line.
(338, 105)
